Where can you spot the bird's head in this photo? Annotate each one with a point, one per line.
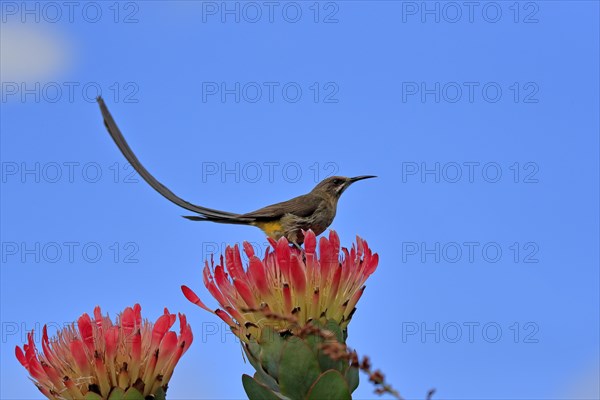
(335, 185)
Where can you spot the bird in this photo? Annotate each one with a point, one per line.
(314, 210)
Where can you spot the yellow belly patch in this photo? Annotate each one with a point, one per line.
(272, 229)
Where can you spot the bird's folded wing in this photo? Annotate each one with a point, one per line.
(300, 206)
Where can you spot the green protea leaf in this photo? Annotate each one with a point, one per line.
(257, 391)
(352, 378)
(92, 396)
(252, 351)
(326, 363)
(298, 368)
(263, 378)
(118, 394)
(133, 394)
(315, 341)
(271, 347)
(160, 394)
(329, 385)
(334, 327)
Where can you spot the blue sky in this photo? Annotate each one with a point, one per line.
(480, 120)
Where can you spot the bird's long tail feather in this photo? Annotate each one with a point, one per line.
(207, 213)
(228, 220)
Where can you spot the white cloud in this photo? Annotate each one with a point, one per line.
(31, 53)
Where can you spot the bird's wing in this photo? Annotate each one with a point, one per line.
(117, 136)
(300, 206)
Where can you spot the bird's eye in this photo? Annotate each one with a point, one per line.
(337, 181)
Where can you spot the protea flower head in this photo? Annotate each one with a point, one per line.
(289, 281)
(95, 359)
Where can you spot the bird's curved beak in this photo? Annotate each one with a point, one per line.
(360, 178)
(350, 181)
